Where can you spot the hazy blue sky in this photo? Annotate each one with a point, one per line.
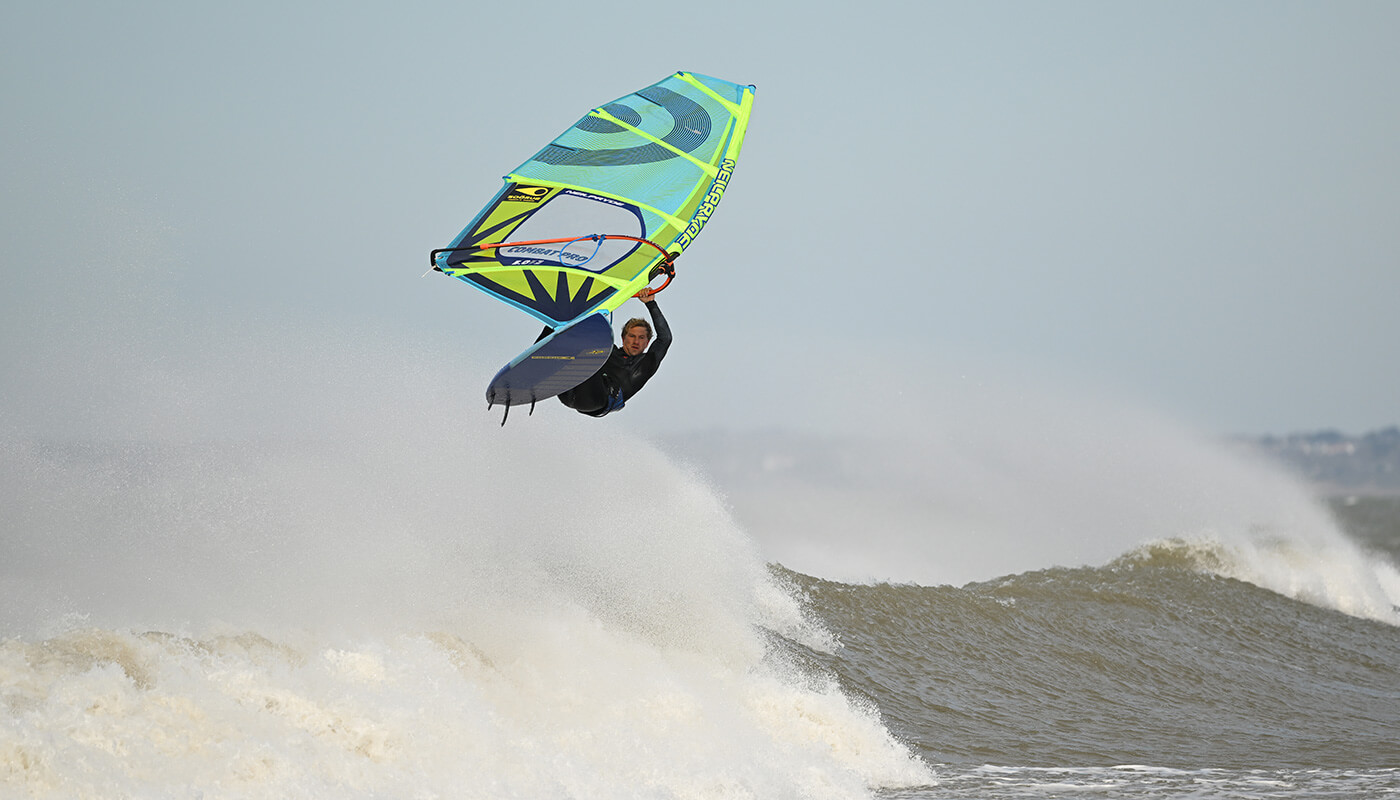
(1189, 206)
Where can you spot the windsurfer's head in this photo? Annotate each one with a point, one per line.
(636, 335)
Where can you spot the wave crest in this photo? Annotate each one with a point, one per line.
(1331, 573)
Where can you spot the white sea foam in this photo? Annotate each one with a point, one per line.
(385, 599)
(1315, 564)
(571, 708)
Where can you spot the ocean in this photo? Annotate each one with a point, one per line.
(556, 610)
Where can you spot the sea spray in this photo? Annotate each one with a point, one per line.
(1001, 478)
(375, 600)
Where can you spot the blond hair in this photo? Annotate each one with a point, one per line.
(634, 322)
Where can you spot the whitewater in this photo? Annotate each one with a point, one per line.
(431, 611)
(353, 594)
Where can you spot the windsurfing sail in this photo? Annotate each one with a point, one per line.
(606, 207)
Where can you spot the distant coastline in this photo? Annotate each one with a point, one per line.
(1337, 464)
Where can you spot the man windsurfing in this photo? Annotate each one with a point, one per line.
(628, 367)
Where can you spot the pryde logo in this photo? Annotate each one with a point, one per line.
(595, 198)
(707, 206)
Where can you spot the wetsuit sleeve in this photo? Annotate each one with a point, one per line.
(663, 331)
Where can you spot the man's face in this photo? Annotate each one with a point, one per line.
(635, 340)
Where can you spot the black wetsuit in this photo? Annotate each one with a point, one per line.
(622, 376)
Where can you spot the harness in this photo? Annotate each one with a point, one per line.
(615, 401)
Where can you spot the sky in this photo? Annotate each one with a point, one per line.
(1188, 207)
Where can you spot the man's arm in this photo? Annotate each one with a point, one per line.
(662, 343)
